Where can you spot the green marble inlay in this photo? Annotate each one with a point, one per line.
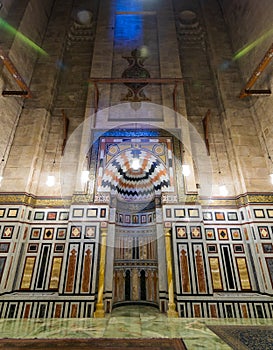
(127, 322)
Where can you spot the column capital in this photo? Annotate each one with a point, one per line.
(167, 231)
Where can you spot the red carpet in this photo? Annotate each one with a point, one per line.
(93, 344)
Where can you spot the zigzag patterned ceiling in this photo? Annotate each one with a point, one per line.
(129, 184)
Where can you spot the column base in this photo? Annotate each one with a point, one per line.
(99, 313)
(172, 312)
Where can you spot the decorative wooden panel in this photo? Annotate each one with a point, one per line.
(200, 269)
(184, 266)
(74, 310)
(244, 311)
(58, 310)
(72, 264)
(213, 311)
(197, 310)
(215, 273)
(28, 271)
(243, 273)
(55, 272)
(86, 271)
(27, 310)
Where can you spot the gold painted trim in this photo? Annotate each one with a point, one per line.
(82, 198)
(30, 200)
(99, 312)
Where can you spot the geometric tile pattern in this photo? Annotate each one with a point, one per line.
(150, 178)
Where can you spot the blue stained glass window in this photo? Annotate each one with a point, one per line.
(129, 26)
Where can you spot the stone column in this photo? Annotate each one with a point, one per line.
(171, 305)
(135, 285)
(100, 313)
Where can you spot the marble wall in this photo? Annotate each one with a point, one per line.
(222, 260)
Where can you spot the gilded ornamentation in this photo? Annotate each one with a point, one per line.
(27, 199)
(30, 200)
(169, 198)
(81, 198)
(102, 198)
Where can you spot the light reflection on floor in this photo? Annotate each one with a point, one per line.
(127, 322)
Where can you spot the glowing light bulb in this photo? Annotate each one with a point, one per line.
(50, 180)
(85, 176)
(186, 171)
(223, 190)
(135, 164)
(84, 17)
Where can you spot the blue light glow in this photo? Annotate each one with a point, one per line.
(129, 22)
(128, 27)
(126, 5)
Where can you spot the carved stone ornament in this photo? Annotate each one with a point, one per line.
(135, 71)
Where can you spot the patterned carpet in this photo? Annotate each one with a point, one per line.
(246, 337)
(93, 344)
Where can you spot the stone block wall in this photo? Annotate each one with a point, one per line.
(58, 79)
(250, 28)
(22, 34)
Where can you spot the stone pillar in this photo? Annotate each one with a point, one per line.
(171, 305)
(135, 285)
(100, 313)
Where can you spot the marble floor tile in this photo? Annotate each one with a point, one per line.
(127, 322)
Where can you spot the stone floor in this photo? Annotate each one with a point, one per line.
(130, 322)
